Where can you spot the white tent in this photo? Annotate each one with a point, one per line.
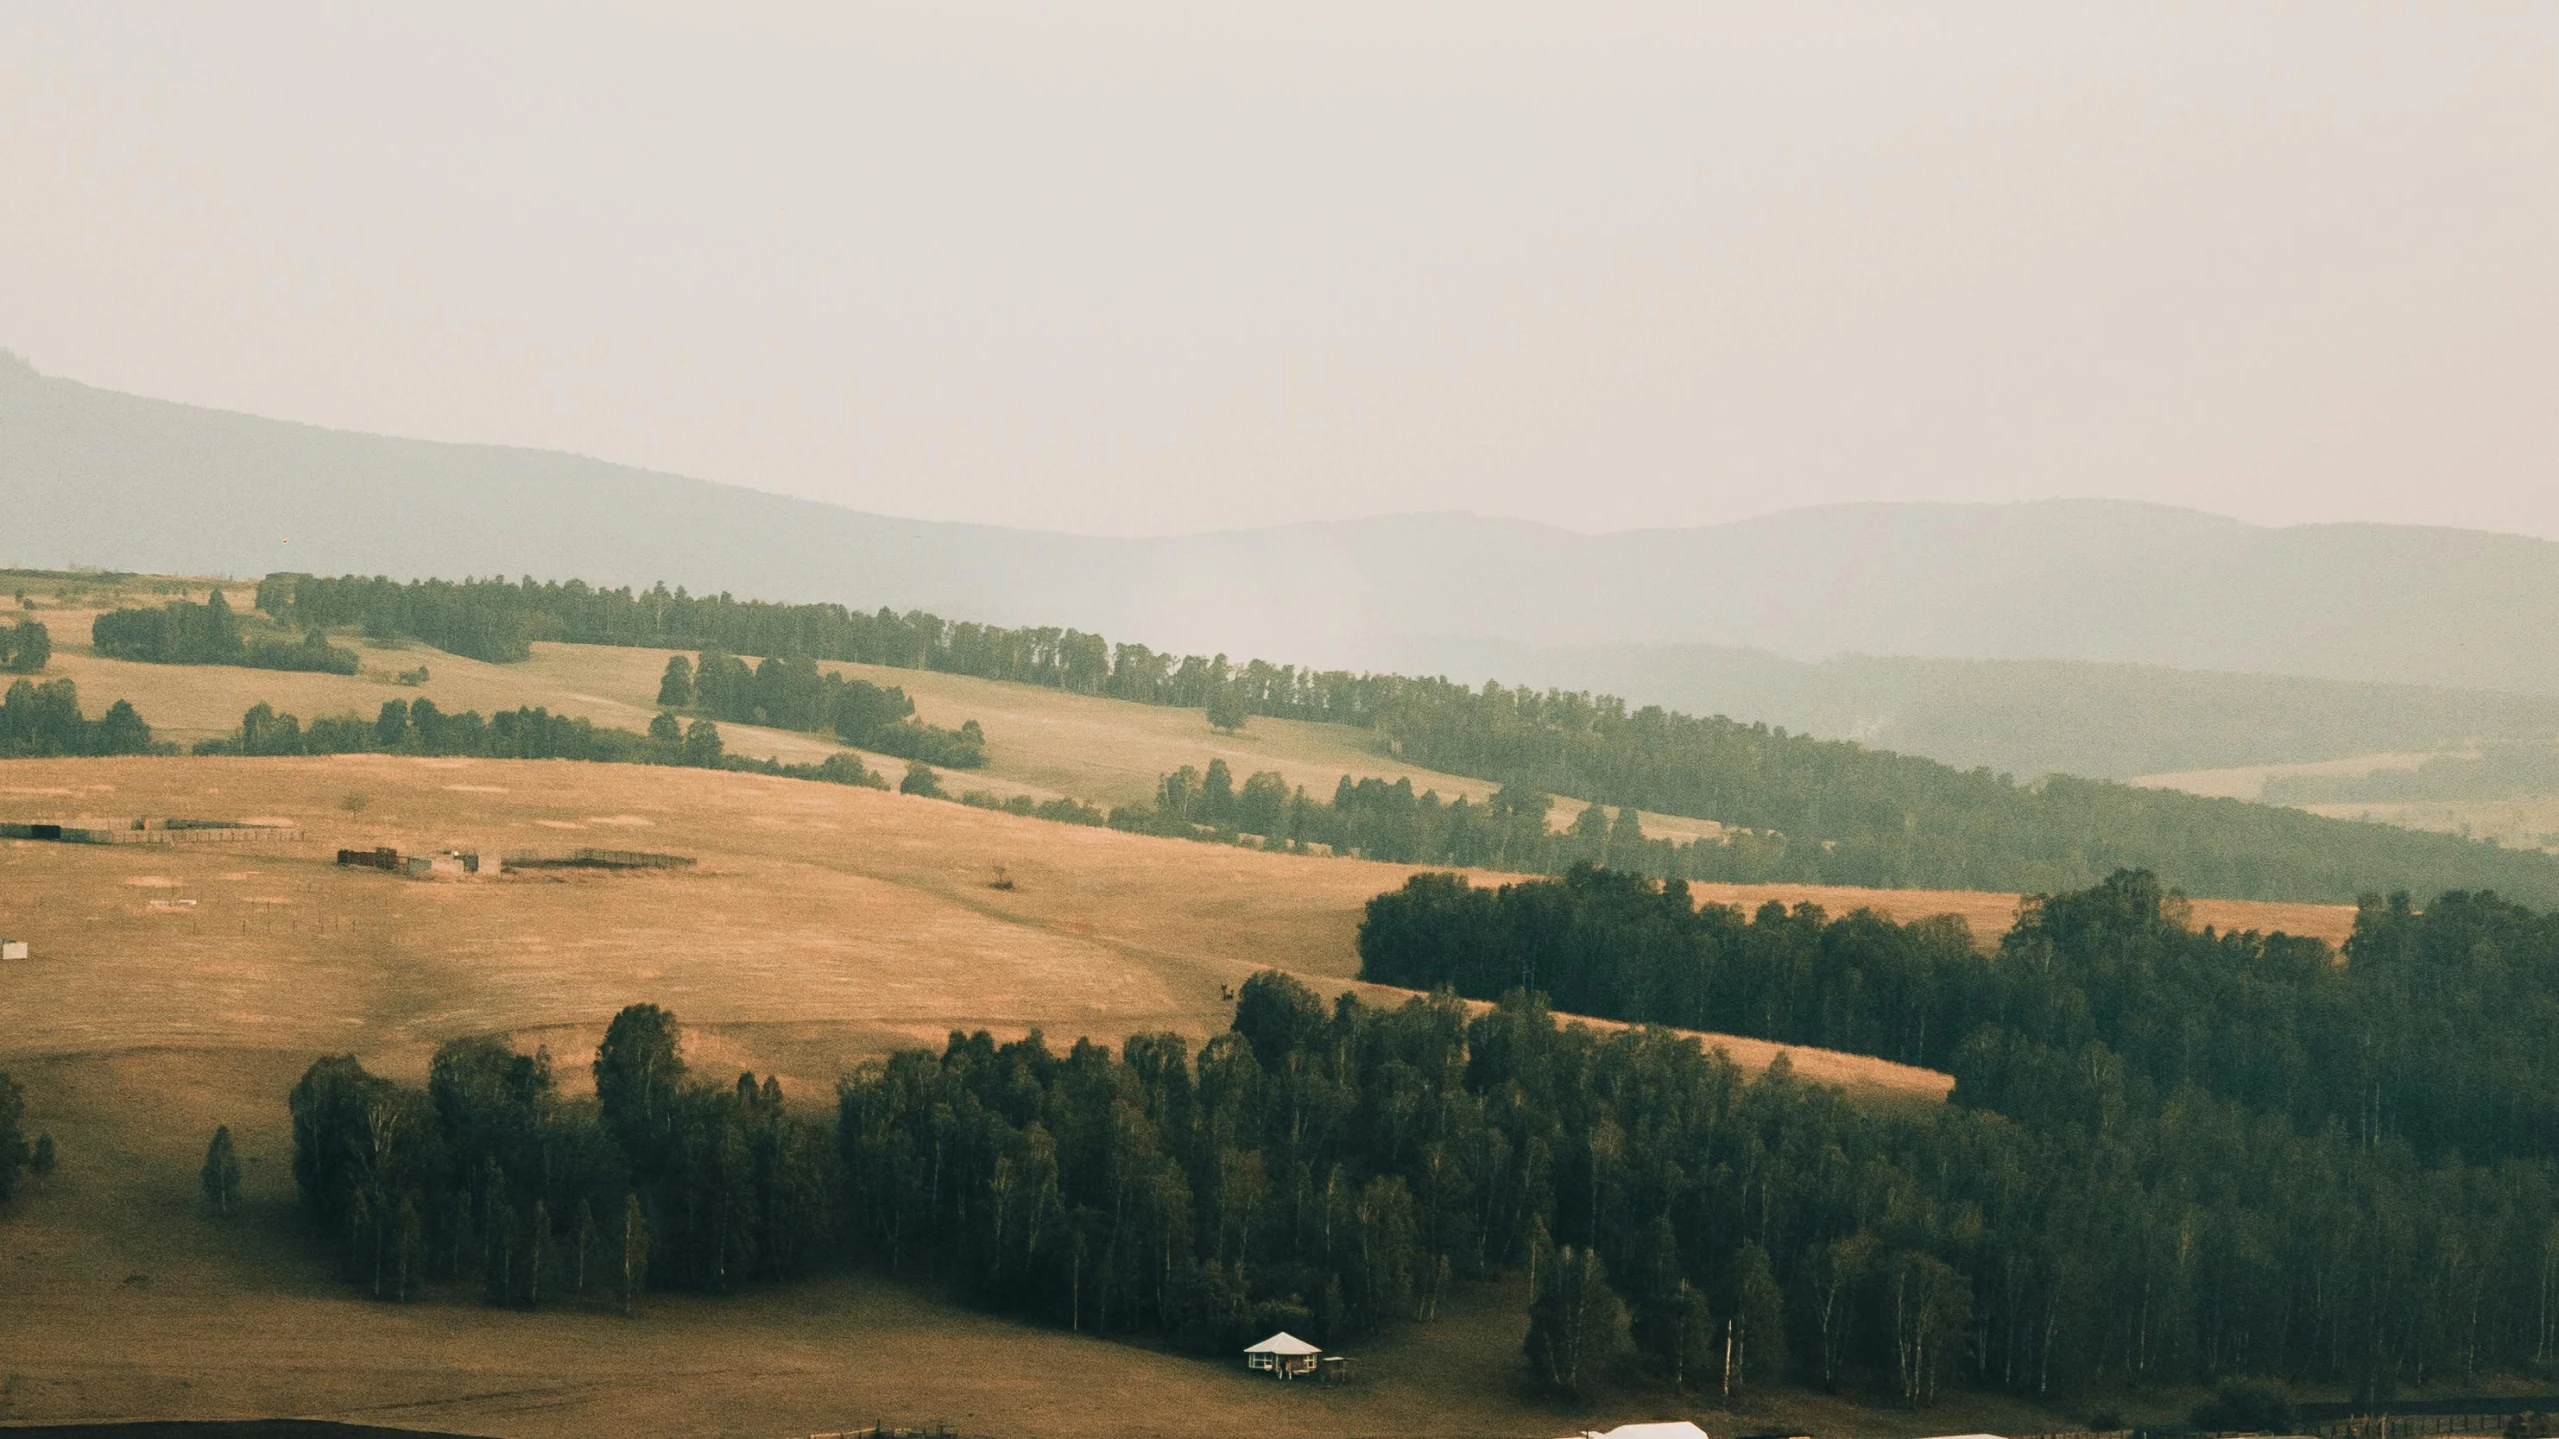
(1665, 1429)
(1283, 1354)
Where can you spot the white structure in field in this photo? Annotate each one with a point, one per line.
(1664, 1429)
(13, 949)
(1283, 1354)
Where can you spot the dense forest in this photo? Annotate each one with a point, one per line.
(1806, 810)
(185, 633)
(419, 727)
(2170, 1157)
(2225, 1153)
(43, 720)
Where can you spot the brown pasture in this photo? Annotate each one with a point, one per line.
(173, 989)
(176, 988)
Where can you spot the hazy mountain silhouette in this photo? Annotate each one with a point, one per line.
(91, 476)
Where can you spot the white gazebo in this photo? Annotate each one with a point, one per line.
(1283, 1354)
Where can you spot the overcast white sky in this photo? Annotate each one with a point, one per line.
(1142, 269)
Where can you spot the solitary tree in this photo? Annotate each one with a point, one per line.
(920, 779)
(220, 1177)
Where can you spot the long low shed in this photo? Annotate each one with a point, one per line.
(151, 831)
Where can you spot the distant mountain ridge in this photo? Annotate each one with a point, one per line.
(93, 476)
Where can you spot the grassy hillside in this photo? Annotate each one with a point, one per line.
(1045, 743)
(175, 989)
(1768, 806)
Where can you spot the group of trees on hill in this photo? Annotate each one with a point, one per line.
(43, 720)
(489, 1174)
(185, 633)
(793, 693)
(2213, 1154)
(26, 647)
(1797, 809)
(419, 727)
(1386, 820)
(2170, 1157)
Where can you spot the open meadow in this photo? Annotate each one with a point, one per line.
(175, 988)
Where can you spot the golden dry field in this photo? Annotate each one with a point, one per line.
(176, 988)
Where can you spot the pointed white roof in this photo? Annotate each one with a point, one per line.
(1284, 1343)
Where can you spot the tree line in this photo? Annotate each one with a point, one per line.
(44, 720)
(1798, 809)
(182, 632)
(420, 727)
(793, 693)
(497, 620)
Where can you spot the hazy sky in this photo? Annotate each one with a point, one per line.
(1140, 269)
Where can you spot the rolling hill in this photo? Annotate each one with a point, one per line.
(103, 478)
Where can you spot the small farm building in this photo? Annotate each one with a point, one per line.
(13, 949)
(1283, 1354)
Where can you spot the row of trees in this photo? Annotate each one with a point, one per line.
(1803, 810)
(40, 720)
(489, 1174)
(184, 633)
(793, 693)
(26, 647)
(1387, 820)
(419, 727)
(531, 732)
